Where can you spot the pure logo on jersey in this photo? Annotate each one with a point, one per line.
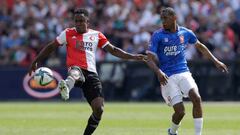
(171, 50)
(80, 45)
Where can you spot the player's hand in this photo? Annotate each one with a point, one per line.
(221, 66)
(32, 68)
(140, 57)
(162, 77)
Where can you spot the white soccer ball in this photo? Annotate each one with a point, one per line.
(43, 76)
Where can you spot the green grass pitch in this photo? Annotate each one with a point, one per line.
(69, 118)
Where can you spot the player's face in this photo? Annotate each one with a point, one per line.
(81, 23)
(168, 22)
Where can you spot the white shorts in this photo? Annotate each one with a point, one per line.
(177, 87)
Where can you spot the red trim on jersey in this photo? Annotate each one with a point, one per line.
(75, 55)
(102, 40)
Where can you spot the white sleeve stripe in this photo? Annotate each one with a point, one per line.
(62, 38)
(57, 39)
(105, 44)
(195, 42)
(150, 52)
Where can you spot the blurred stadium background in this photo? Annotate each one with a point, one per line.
(27, 25)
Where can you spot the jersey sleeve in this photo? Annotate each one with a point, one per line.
(153, 44)
(102, 40)
(192, 37)
(61, 39)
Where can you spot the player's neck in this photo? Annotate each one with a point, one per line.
(81, 31)
(173, 29)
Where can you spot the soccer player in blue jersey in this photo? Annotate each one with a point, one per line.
(166, 49)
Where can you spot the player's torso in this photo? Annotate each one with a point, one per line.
(171, 49)
(81, 49)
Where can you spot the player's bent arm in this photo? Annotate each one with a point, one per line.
(48, 49)
(118, 52)
(204, 50)
(43, 53)
(152, 56)
(152, 62)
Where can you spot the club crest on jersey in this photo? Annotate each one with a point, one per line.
(181, 37)
(92, 38)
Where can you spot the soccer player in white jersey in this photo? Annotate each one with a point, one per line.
(166, 58)
(81, 43)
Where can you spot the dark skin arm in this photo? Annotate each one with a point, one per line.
(152, 62)
(122, 54)
(46, 51)
(204, 50)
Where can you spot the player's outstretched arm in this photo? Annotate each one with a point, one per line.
(43, 54)
(152, 62)
(204, 50)
(122, 54)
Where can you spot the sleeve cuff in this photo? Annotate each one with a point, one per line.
(148, 51)
(57, 42)
(105, 44)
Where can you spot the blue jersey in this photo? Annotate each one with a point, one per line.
(170, 49)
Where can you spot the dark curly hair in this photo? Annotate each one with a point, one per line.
(168, 11)
(81, 11)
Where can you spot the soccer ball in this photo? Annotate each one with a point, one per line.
(43, 76)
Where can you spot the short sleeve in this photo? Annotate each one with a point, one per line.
(192, 37)
(61, 39)
(102, 40)
(153, 44)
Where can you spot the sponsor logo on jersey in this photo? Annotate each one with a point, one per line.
(80, 45)
(171, 50)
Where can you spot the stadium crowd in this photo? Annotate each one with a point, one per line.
(27, 25)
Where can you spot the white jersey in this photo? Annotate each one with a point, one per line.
(81, 48)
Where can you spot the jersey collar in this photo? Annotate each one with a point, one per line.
(178, 28)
